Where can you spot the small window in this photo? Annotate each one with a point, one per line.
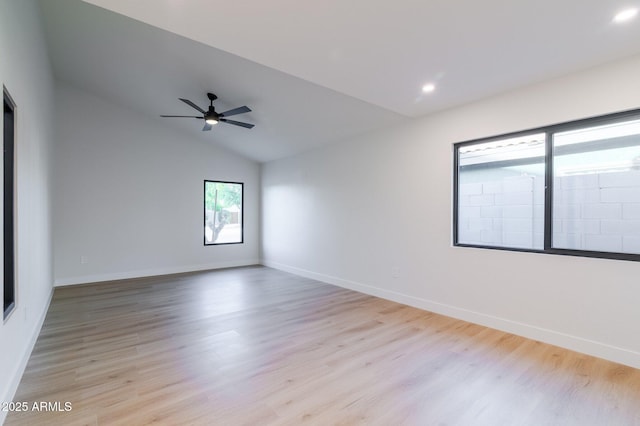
(571, 188)
(223, 203)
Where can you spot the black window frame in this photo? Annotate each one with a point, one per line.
(549, 131)
(204, 201)
(9, 197)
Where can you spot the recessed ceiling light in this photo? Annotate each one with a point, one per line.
(625, 15)
(428, 88)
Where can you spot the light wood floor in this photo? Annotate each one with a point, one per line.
(256, 346)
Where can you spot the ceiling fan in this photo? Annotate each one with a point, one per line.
(212, 117)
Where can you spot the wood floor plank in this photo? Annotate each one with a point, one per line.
(256, 346)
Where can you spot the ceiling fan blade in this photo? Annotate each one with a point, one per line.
(192, 105)
(206, 127)
(238, 123)
(240, 110)
(185, 116)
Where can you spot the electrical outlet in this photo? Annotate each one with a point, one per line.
(84, 260)
(395, 272)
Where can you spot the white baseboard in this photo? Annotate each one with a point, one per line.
(24, 360)
(85, 279)
(575, 343)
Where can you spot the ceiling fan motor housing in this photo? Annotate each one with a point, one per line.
(212, 114)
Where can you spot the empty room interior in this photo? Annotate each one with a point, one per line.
(279, 213)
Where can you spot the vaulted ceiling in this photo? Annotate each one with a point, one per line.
(316, 73)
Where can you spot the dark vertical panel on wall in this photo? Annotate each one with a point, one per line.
(8, 205)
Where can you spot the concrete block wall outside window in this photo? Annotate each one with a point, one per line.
(508, 212)
(598, 212)
(603, 214)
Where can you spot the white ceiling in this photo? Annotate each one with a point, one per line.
(319, 72)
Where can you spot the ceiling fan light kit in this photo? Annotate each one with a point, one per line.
(211, 117)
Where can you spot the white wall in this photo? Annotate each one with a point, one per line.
(26, 72)
(375, 214)
(128, 195)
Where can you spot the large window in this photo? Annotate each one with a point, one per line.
(572, 189)
(223, 212)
